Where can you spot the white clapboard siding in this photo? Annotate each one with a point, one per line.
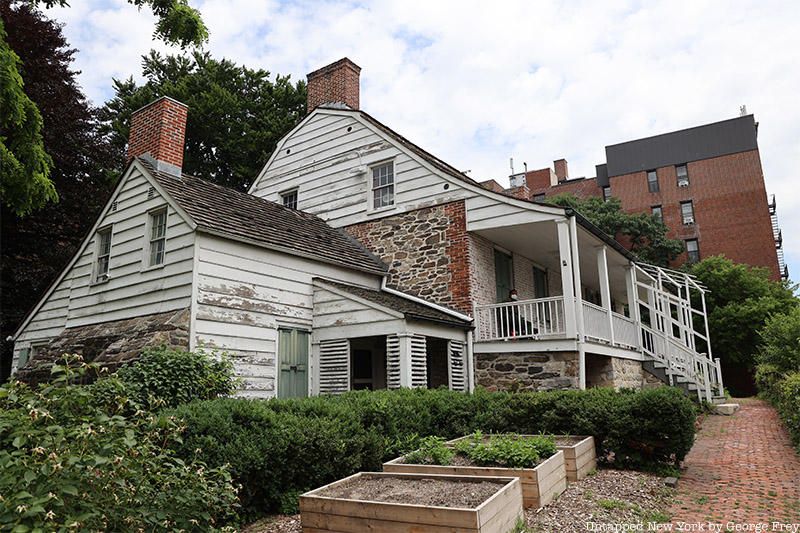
(393, 362)
(318, 159)
(132, 289)
(244, 293)
(419, 361)
(334, 366)
(457, 368)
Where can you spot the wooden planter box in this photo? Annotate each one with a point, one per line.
(580, 457)
(498, 514)
(539, 485)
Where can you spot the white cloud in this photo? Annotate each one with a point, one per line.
(478, 82)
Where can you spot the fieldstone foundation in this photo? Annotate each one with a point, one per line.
(527, 371)
(111, 344)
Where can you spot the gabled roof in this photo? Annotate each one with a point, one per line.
(240, 216)
(412, 309)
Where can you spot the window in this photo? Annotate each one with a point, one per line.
(538, 197)
(103, 254)
(683, 175)
(289, 199)
(687, 212)
(693, 250)
(652, 181)
(383, 185)
(158, 237)
(606, 194)
(658, 212)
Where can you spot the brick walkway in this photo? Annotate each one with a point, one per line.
(742, 468)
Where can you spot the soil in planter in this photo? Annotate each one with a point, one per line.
(437, 492)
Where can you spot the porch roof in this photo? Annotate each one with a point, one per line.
(409, 308)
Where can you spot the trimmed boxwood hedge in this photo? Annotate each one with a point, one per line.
(277, 449)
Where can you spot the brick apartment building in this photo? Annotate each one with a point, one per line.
(705, 182)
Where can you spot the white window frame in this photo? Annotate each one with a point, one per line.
(286, 193)
(372, 188)
(97, 277)
(149, 240)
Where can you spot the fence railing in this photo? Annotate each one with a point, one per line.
(541, 318)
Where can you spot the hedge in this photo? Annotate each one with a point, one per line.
(277, 449)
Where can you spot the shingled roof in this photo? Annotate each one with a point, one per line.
(227, 212)
(409, 308)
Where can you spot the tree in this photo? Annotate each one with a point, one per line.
(740, 301)
(645, 235)
(35, 248)
(236, 114)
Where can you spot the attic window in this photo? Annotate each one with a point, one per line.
(383, 185)
(158, 237)
(289, 199)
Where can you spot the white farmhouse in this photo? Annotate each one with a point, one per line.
(359, 260)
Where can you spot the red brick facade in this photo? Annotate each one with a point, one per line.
(159, 129)
(335, 83)
(729, 200)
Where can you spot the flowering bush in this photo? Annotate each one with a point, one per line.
(84, 457)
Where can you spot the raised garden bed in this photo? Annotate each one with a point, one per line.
(381, 501)
(540, 484)
(580, 457)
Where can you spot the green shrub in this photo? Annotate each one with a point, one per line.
(432, 451)
(80, 457)
(508, 450)
(165, 377)
(279, 448)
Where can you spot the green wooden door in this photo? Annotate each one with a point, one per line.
(293, 363)
(502, 275)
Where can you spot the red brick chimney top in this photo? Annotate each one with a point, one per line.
(337, 83)
(158, 131)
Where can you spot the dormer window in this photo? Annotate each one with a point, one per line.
(103, 254)
(158, 237)
(383, 185)
(289, 199)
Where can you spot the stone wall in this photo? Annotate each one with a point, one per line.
(427, 251)
(527, 371)
(111, 344)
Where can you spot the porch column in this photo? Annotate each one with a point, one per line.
(567, 284)
(576, 266)
(605, 288)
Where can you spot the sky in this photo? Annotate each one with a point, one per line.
(480, 82)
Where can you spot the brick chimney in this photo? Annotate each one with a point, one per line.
(157, 134)
(337, 83)
(560, 166)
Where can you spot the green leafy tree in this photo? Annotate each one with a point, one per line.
(740, 301)
(37, 246)
(236, 114)
(644, 234)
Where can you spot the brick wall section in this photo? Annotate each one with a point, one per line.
(159, 129)
(335, 83)
(427, 250)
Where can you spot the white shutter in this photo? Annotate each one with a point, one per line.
(419, 361)
(392, 362)
(456, 367)
(334, 366)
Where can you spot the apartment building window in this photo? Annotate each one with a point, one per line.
(289, 199)
(687, 212)
(683, 175)
(693, 250)
(658, 212)
(606, 193)
(652, 181)
(103, 255)
(538, 197)
(383, 185)
(158, 237)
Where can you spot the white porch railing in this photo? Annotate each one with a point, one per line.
(541, 318)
